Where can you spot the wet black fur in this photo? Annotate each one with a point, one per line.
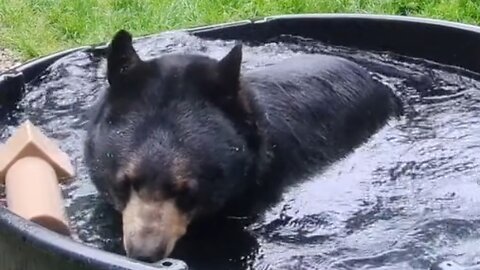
(246, 137)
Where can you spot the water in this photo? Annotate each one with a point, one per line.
(406, 198)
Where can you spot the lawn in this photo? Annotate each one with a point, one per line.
(37, 27)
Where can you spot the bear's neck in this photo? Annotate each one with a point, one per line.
(260, 192)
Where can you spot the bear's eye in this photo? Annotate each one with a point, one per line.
(127, 182)
(186, 200)
(122, 183)
(122, 188)
(183, 191)
(136, 183)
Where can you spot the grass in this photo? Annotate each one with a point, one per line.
(37, 27)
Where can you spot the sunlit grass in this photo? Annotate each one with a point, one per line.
(37, 27)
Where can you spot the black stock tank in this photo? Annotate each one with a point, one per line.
(404, 200)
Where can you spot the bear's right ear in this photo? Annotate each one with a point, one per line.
(121, 56)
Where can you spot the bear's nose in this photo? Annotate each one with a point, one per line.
(145, 252)
(145, 259)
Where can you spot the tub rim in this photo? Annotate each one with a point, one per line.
(30, 68)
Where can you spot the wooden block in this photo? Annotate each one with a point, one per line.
(31, 166)
(29, 141)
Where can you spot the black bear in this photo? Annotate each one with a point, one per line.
(185, 137)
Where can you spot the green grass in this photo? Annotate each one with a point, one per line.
(36, 27)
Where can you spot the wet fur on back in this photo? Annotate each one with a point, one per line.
(311, 110)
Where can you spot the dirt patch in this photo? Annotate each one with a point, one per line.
(7, 60)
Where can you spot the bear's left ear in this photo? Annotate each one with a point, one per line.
(230, 66)
(121, 57)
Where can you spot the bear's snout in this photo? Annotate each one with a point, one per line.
(147, 250)
(151, 229)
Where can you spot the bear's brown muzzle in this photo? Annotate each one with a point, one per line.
(151, 229)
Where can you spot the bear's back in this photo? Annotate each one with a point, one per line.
(315, 109)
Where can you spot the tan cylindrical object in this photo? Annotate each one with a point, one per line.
(33, 193)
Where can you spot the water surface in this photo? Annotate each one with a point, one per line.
(401, 201)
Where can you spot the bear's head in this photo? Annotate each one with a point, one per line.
(185, 139)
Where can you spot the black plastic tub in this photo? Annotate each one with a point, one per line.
(24, 245)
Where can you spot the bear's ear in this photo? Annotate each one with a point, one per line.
(121, 56)
(230, 67)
